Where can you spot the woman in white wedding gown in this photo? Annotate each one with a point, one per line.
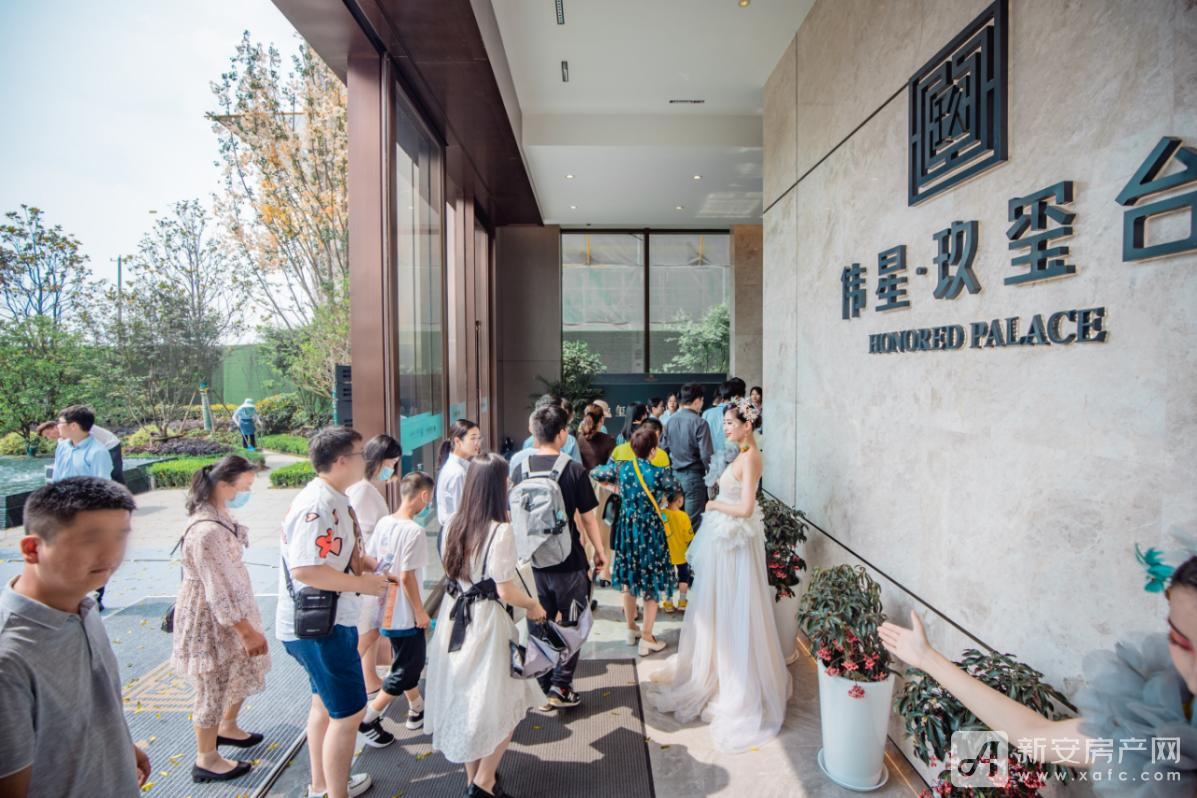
(728, 669)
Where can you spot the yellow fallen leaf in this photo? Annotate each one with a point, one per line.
(605, 693)
(152, 738)
(146, 787)
(174, 758)
(163, 772)
(272, 746)
(256, 762)
(536, 728)
(422, 756)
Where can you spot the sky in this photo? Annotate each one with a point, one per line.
(104, 104)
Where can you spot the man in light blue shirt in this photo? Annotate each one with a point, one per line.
(79, 454)
(714, 417)
(571, 443)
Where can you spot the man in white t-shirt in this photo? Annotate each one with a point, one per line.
(400, 545)
(321, 549)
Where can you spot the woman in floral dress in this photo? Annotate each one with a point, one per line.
(218, 642)
(641, 566)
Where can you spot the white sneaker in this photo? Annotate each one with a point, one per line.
(651, 647)
(631, 636)
(359, 783)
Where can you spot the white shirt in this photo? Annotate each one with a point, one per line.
(104, 437)
(400, 545)
(319, 529)
(369, 504)
(449, 484)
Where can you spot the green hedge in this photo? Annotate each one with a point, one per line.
(177, 473)
(295, 475)
(291, 444)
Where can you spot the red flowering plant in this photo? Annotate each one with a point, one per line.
(840, 613)
(785, 528)
(932, 715)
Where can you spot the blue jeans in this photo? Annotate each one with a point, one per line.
(695, 488)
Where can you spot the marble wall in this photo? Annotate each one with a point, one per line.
(747, 261)
(1004, 488)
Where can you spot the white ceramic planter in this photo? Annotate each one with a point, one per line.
(854, 730)
(785, 614)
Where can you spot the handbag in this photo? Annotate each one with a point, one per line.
(315, 610)
(660, 514)
(168, 620)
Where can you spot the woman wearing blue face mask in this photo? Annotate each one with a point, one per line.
(218, 642)
(368, 500)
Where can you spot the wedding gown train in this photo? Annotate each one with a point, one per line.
(728, 668)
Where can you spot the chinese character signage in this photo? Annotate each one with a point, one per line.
(958, 107)
(1148, 182)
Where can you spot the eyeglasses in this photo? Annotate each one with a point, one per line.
(356, 454)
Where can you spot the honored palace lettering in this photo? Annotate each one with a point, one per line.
(1078, 326)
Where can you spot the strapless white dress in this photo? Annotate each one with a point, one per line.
(728, 668)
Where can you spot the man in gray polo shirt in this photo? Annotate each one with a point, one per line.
(63, 731)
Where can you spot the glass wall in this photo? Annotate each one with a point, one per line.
(419, 278)
(602, 296)
(689, 278)
(606, 278)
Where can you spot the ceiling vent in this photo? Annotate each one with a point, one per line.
(565, 72)
(560, 11)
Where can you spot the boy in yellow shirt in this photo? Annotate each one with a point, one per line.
(679, 533)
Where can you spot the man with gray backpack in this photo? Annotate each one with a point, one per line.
(551, 496)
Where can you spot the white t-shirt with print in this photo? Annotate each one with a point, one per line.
(399, 545)
(369, 505)
(319, 529)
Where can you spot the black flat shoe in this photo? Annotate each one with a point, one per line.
(199, 775)
(249, 742)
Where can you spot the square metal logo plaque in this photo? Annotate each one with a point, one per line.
(958, 107)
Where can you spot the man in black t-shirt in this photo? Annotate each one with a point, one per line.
(559, 586)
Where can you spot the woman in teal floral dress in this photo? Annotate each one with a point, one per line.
(641, 565)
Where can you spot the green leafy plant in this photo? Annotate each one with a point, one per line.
(295, 475)
(14, 443)
(579, 366)
(785, 528)
(702, 346)
(840, 613)
(291, 444)
(932, 715)
(177, 473)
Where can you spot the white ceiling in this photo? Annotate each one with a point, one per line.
(632, 154)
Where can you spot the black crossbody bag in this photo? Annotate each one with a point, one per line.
(315, 610)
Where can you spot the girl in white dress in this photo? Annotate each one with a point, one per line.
(473, 703)
(728, 669)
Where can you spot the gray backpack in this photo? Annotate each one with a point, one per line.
(538, 516)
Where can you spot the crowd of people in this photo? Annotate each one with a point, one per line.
(352, 590)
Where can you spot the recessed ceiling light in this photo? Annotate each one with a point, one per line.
(743, 4)
(679, 207)
(565, 72)
(569, 177)
(698, 177)
(573, 207)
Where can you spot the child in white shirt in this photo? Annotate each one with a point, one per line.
(400, 545)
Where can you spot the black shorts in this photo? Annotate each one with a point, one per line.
(407, 665)
(683, 573)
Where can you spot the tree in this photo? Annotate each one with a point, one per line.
(41, 366)
(42, 272)
(579, 365)
(704, 346)
(284, 146)
(165, 331)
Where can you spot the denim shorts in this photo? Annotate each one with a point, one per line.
(334, 670)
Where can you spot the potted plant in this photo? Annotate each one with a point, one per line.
(932, 715)
(840, 613)
(785, 528)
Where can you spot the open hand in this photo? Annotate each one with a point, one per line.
(909, 645)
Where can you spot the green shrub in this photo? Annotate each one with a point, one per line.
(279, 414)
(295, 475)
(291, 444)
(143, 437)
(14, 444)
(177, 473)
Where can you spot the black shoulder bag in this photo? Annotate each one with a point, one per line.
(168, 620)
(315, 610)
